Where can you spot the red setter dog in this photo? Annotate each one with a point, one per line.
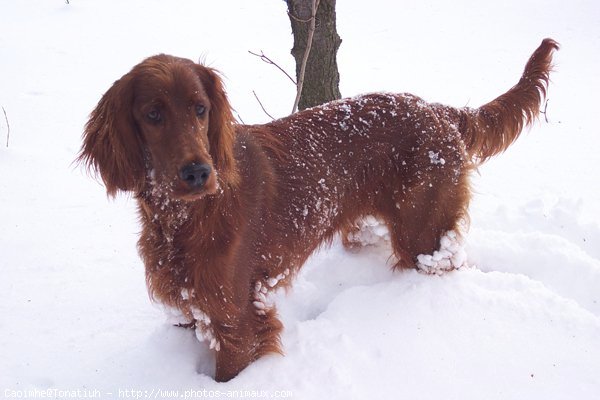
(230, 212)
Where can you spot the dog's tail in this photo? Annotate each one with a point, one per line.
(492, 128)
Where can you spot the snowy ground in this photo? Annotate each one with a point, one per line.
(524, 324)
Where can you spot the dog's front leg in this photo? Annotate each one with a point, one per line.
(231, 360)
(237, 346)
(247, 339)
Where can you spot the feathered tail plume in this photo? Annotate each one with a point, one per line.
(492, 128)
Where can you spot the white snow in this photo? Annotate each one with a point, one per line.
(370, 232)
(435, 159)
(450, 256)
(524, 324)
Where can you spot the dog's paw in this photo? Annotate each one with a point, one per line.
(186, 325)
(450, 256)
(262, 289)
(177, 318)
(204, 330)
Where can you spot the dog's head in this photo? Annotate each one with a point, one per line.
(166, 125)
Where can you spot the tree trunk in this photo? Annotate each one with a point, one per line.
(321, 77)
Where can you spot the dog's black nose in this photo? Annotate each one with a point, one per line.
(195, 175)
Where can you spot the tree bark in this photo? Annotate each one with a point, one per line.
(321, 76)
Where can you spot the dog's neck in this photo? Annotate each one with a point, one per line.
(159, 208)
(164, 214)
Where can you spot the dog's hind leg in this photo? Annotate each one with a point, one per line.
(425, 223)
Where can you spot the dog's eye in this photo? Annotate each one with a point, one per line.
(154, 115)
(200, 110)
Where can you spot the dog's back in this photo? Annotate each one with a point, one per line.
(393, 156)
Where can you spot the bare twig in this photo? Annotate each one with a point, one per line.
(267, 60)
(311, 31)
(545, 111)
(7, 127)
(261, 105)
(298, 19)
(239, 117)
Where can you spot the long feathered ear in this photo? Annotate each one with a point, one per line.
(221, 129)
(111, 143)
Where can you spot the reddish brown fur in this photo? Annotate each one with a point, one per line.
(284, 188)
